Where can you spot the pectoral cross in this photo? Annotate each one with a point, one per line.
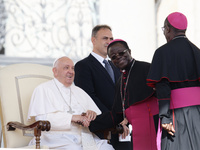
(70, 111)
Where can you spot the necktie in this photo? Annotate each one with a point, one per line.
(109, 70)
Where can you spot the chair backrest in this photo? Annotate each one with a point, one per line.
(17, 83)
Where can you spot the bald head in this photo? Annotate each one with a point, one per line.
(56, 61)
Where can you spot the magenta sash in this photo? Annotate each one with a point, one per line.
(140, 116)
(185, 97)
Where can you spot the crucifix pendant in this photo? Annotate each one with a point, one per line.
(70, 111)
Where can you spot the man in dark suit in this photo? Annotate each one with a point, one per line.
(91, 75)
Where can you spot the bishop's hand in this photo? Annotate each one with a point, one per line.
(126, 129)
(169, 128)
(91, 115)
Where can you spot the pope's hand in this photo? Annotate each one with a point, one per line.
(80, 119)
(85, 121)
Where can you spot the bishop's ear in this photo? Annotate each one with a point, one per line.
(167, 29)
(129, 51)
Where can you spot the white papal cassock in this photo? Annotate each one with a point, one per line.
(50, 101)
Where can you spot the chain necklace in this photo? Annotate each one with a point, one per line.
(123, 98)
(69, 105)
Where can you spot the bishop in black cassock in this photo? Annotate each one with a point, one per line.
(175, 73)
(134, 100)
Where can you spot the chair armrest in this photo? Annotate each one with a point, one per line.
(43, 125)
(37, 127)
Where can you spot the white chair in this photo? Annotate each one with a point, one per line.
(17, 83)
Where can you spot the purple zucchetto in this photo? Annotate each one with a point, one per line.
(116, 40)
(178, 20)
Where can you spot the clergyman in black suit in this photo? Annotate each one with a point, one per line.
(91, 75)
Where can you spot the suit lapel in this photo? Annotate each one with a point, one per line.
(99, 66)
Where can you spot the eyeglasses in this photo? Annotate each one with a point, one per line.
(163, 28)
(119, 54)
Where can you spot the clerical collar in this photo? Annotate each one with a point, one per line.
(60, 85)
(179, 36)
(127, 68)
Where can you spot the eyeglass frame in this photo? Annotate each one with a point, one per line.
(119, 54)
(163, 28)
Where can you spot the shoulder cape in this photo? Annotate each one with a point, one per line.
(177, 61)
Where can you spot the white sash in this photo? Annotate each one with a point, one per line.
(88, 140)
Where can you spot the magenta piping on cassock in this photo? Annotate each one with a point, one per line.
(183, 97)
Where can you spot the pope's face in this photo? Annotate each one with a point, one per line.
(64, 71)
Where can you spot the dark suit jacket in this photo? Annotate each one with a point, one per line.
(93, 78)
